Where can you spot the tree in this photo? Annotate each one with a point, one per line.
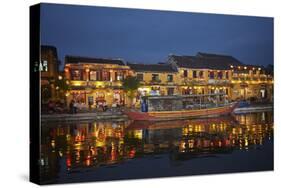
(55, 89)
(62, 86)
(131, 85)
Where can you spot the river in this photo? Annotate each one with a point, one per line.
(114, 150)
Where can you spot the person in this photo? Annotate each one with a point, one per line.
(104, 106)
(71, 106)
(75, 106)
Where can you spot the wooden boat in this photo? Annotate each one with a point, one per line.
(153, 114)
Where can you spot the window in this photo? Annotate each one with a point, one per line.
(155, 77)
(170, 78)
(211, 75)
(119, 76)
(185, 73)
(105, 76)
(79, 97)
(201, 74)
(220, 75)
(194, 73)
(92, 75)
(76, 75)
(140, 77)
(226, 75)
(170, 91)
(186, 91)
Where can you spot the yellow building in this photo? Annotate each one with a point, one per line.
(251, 81)
(94, 81)
(156, 79)
(212, 73)
(97, 81)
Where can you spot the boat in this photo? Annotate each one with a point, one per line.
(165, 108)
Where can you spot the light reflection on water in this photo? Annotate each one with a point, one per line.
(73, 148)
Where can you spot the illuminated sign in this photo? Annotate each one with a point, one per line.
(42, 66)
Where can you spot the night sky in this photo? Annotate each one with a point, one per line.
(150, 36)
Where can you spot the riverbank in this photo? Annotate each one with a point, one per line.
(109, 115)
(83, 116)
(254, 108)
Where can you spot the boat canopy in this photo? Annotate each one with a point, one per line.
(182, 102)
(184, 96)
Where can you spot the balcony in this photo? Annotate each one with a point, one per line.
(105, 84)
(196, 81)
(155, 82)
(251, 80)
(170, 83)
(78, 83)
(218, 82)
(96, 84)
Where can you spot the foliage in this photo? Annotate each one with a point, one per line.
(130, 85)
(62, 84)
(59, 86)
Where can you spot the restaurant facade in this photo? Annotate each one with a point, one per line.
(95, 81)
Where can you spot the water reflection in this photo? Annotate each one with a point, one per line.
(68, 148)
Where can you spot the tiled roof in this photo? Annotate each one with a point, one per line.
(206, 61)
(79, 59)
(161, 67)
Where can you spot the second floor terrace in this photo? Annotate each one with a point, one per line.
(94, 72)
(181, 70)
(155, 74)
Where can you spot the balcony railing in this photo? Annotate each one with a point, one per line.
(196, 81)
(96, 84)
(218, 82)
(255, 79)
(251, 79)
(153, 82)
(78, 83)
(170, 82)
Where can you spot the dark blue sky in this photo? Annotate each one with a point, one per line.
(150, 36)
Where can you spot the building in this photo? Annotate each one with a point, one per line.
(156, 79)
(49, 68)
(95, 80)
(213, 73)
(251, 82)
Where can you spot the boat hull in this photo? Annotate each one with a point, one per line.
(183, 114)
